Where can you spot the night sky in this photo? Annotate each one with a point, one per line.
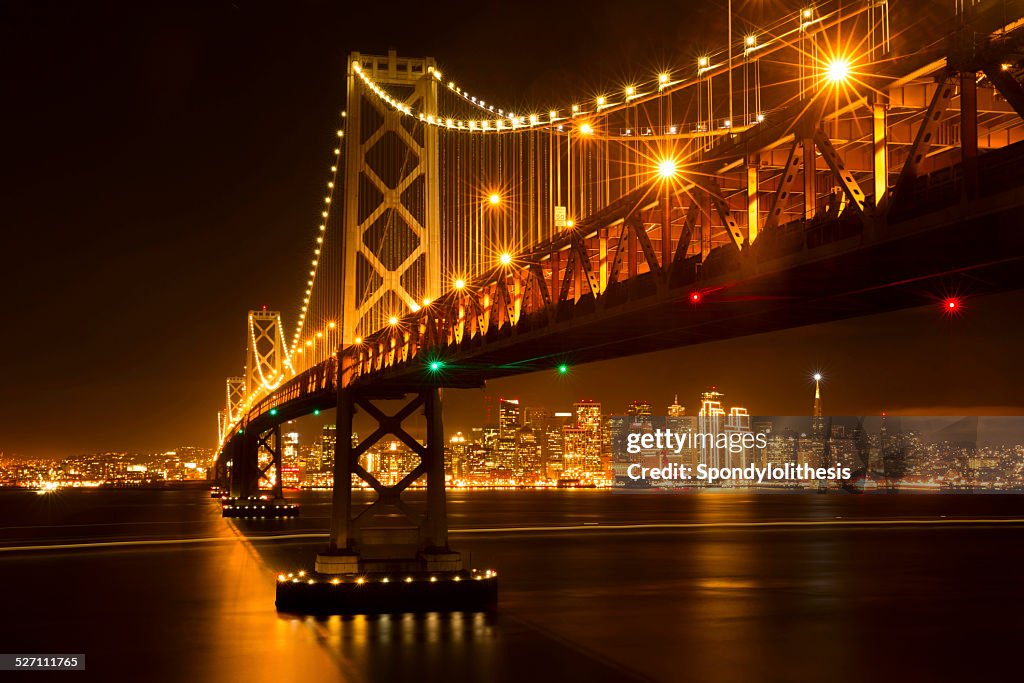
(164, 167)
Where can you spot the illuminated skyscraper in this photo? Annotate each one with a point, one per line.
(640, 409)
(713, 420)
(528, 453)
(534, 416)
(328, 439)
(760, 455)
(509, 421)
(489, 437)
(456, 456)
(782, 448)
(291, 467)
(738, 423)
(638, 420)
(676, 410)
(709, 421)
(588, 446)
(575, 447)
(554, 443)
(680, 423)
(531, 443)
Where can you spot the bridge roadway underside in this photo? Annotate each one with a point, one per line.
(875, 269)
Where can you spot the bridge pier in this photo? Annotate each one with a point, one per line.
(242, 465)
(388, 556)
(244, 498)
(419, 540)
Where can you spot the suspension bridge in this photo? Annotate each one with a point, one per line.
(823, 167)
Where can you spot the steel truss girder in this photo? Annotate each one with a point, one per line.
(639, 232)
(713, 191)
(689, 223)
(1007, 86)
(846, 180)
(561, 265)
(924, 138)
(785, 187)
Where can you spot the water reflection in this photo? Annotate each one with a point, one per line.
(729, 597)
(389, 647)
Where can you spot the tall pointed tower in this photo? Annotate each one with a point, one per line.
(818, 421)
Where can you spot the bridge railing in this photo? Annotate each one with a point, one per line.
(315, 381)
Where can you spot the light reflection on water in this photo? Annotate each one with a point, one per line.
(384, 647)
(704, 604)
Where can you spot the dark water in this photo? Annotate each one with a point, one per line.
(745, 587)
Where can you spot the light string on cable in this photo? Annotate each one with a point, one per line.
(318, 246)
(751, 46)
(470, 99)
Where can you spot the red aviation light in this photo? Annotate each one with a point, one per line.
(952, 305)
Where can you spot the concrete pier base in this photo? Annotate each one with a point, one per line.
(337, 563)
(342, 562)
(387, 593)
(442, 561)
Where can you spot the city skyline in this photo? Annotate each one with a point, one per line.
(580, 445)
(788, 381)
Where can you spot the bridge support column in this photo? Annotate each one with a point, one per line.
(881, 153)
(437, 504)
(389, 556)
(753, 209)
(666, 227)
(340, 557)
(969, 131)
(245, 468)
(244, 499)
(389, 535)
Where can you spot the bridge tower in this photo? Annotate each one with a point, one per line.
(235, 398)
(264, 369)
(391, 245)
(391, 252)
(264, 354)
(233, 405)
